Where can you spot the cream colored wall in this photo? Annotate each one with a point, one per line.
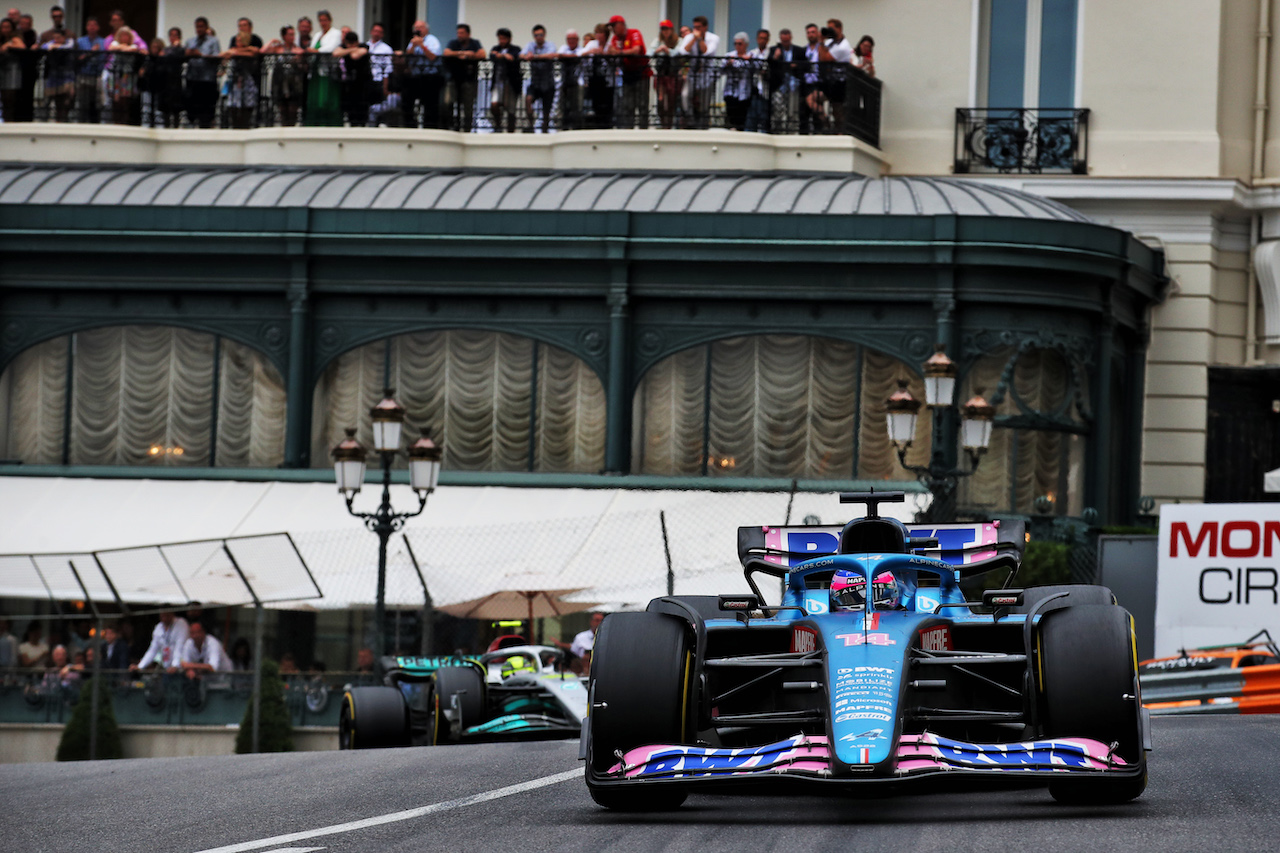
(486, 16)
(268, 17)
(1237, 77)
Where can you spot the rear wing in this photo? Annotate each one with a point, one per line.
(957, 544)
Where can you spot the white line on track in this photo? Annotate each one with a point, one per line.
(394, 817)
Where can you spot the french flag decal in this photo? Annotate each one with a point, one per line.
(864, 756)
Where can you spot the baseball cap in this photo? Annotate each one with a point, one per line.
(666, 25)
(617, 19)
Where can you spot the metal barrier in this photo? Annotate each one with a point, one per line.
(588, 92)
(1248, 690)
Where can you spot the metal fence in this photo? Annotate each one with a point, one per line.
(1022, 140)
(590, 92)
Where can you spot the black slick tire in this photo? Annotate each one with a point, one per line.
(640, 694)
(373, 718)
(1088, 683)
(460, 688)
(1080, 593)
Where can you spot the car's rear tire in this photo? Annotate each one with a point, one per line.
(1088, 688)
(1080, 593)
(373, 718)
(641, 691)
(467, 684)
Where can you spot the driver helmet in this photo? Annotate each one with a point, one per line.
(517, 664)
(848, 591)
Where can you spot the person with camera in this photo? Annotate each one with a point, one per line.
(423, 80)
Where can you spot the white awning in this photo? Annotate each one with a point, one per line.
(606, 542)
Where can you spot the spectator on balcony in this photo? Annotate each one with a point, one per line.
(571, 82)
(541, 56)
(202, 75)
(58, 18)
(33, 651)
(288, 76)
(600, 73)
(738, 77)
(758, 108)
(17, 88)
(165, 84)
(167, 639)
(627, 44)
(667, 69)
(364, 661)
(117, 21)
(384, 97)
(304, 33)
(701, 87)
(811, 98)
(8, 645)
(862, 55)
(115, 651)
(356, 78)
(835, 79)
(505, 82)
(242, 75)
(61, 672)
(241, 656)
(424, 80)
(289, 665)
(59, 75)
(90, 58)
(124, 86)
(324, 92)
(27, 29)
(202, 654)
(462, 58)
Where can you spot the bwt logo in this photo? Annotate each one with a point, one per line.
(1238, 538)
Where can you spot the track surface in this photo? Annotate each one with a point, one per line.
(1213, 786)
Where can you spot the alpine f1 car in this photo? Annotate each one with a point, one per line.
(874, 671)
(520, 692)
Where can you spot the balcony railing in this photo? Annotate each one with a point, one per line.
(1022, 140)
(469, 96)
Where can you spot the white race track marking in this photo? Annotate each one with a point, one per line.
(394, 817)
(293, 850)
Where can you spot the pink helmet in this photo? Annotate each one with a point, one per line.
(848, 590)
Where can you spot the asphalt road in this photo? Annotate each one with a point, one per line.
(1213, 786)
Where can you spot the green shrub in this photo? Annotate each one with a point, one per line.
(1044, 563)
(1125, 530)
(275, 729)
(74, 745)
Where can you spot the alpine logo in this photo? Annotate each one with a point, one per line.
(936, 639)
(804, 640)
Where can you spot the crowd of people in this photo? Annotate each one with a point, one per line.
(320, 74)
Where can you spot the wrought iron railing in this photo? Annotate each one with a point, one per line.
(1022, 140)
(593, 92)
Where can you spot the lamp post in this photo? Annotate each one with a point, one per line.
(939, 476)
(424, 473)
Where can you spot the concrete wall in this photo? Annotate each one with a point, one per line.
(26, 744)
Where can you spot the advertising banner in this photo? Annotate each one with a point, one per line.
(1218, 580)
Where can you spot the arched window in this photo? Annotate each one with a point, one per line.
(142, 395)
(1038, 446)
(498, 402)
(772, 406)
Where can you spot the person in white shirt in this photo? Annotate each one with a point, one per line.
(599, 73)
(738, 78)
(423, 77)
(571, 82)
(702, 72)
(167, 639)
(584, 642)
(541, 56)
(836, 85)
(381, 99)
(202, 653)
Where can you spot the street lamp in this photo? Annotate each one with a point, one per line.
(939, 476)
(349, 468)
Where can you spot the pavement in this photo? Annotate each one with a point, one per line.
(1213, 784)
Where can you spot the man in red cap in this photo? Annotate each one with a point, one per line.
(628, 45)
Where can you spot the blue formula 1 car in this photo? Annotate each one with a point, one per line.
(875, 670)
(520, 692)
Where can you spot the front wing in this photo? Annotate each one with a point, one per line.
(918, 755)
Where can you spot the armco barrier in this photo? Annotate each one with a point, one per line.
(1250, 690)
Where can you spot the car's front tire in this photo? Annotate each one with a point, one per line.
(373, 717)
(641, 694)
(460, 688)
(1088, 688)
